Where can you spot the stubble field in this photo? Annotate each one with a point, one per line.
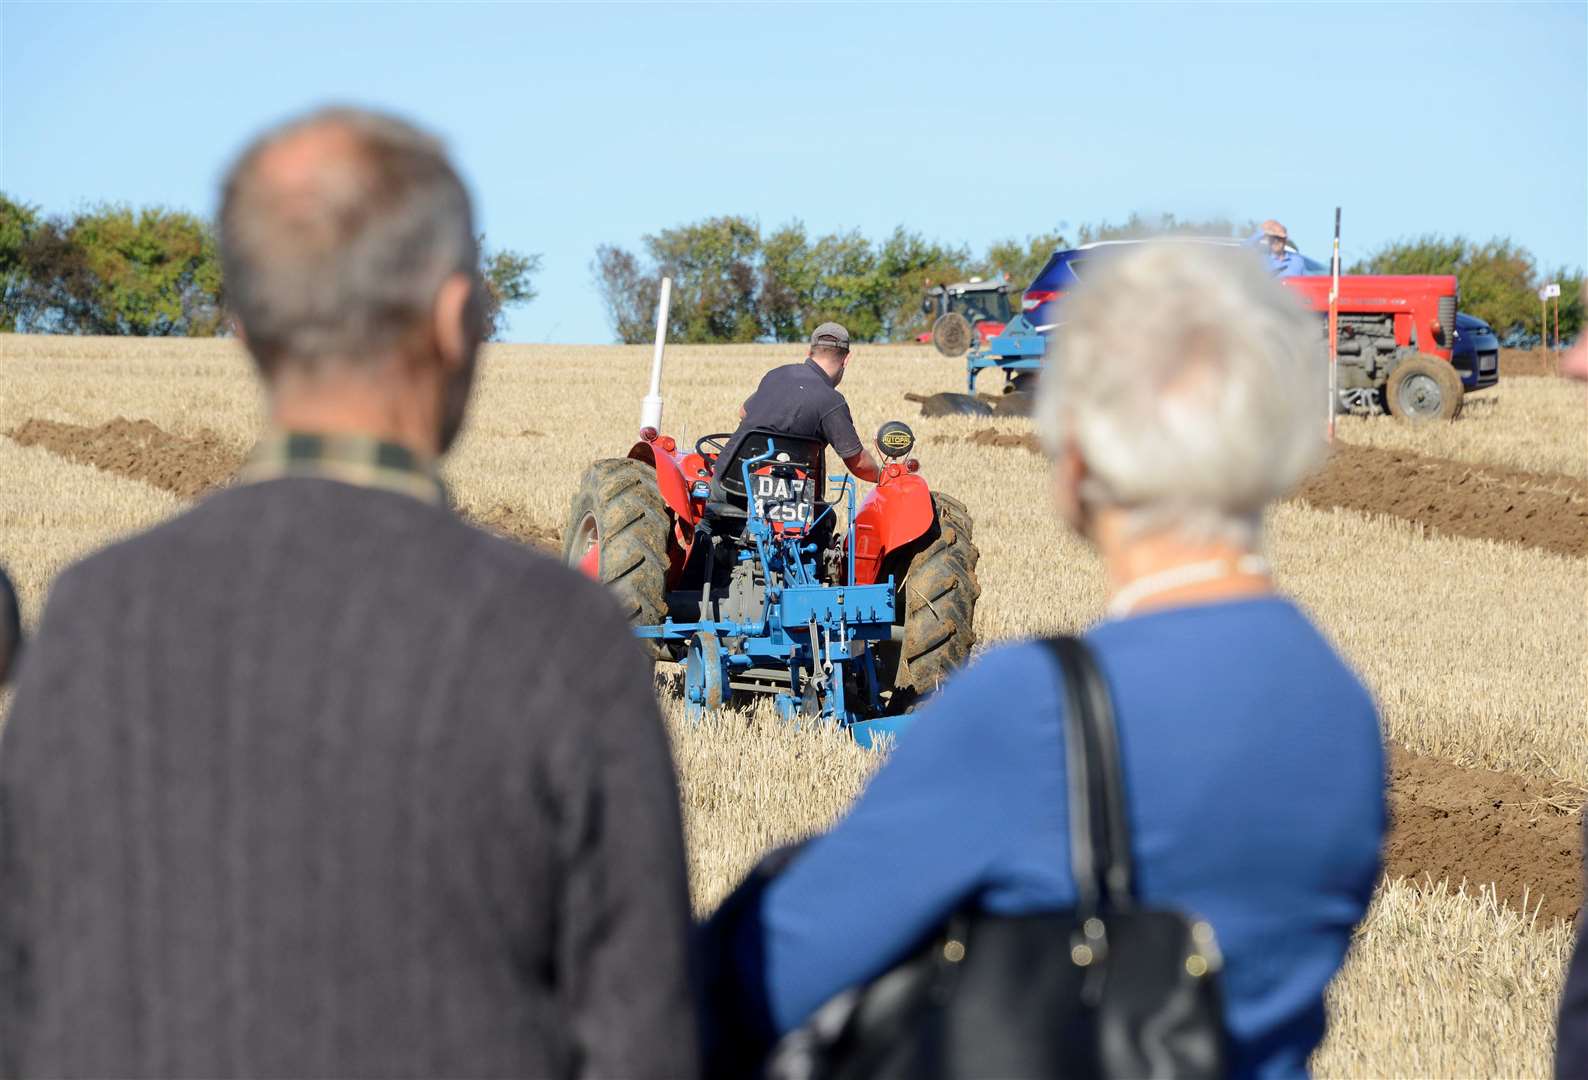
(1449, 564)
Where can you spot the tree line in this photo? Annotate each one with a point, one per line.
(1499, 279)
(151, 272)
(732, 282)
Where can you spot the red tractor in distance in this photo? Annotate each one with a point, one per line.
(984, 305)
(1397, 334)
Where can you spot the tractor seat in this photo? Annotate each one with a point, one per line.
(728, 498)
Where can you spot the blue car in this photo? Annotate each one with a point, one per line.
(1066, 269)
(1019, 350)
(1476, 352)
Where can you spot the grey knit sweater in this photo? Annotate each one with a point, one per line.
(317, 780)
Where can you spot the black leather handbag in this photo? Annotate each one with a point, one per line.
(1111, 989)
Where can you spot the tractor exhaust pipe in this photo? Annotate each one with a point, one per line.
(651, 407)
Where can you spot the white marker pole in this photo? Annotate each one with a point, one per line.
(1334, 326)
(651, 407)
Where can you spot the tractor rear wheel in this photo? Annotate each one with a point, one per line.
(618, 529)
(936, 578)
(1423, 387)
(952, 334)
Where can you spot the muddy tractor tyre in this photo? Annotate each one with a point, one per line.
(1423, 388)
(952, 334)
(619, 510)
(937, 603)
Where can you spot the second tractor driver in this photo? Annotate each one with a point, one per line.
(802, 400)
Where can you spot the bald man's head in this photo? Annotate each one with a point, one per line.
(338, 231)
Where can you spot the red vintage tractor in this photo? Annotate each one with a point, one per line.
(1396, 336)
(739, 569)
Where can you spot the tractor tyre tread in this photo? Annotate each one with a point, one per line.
(633, 525)
(939, 601)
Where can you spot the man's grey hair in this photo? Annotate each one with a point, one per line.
(334, 253)
(1193, 386)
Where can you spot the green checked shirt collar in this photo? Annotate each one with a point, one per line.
(361, 460)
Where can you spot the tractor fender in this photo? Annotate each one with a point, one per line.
(669, 479)
(897, 512)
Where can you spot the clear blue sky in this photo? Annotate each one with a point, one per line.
(581, 124)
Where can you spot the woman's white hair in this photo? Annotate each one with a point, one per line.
(1193, 386)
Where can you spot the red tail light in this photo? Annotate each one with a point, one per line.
(1035, 297)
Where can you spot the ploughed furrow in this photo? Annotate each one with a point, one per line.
(1452, 498)
(183, 465)
(1520, 834)
(1449, 498)
(193, 465)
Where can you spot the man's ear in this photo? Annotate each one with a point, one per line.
(456, 319)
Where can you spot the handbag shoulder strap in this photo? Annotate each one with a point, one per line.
(1100, 856)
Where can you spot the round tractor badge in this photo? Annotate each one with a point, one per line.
(895, 439)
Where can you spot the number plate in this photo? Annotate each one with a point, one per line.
(781, 499)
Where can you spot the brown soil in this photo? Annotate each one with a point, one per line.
(989, 437)
(137, 448)
(1450, 498)
(1491, 828)
(516, 525)
(191, 466)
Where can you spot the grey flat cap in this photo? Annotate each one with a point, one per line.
(831, 335)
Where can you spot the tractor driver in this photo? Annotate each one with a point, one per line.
(1272, 238)
(802, 400)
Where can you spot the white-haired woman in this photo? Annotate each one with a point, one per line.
(1187, 394)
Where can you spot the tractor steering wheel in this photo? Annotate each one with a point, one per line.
(712, 445)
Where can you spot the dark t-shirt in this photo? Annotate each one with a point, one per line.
(799, 400)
